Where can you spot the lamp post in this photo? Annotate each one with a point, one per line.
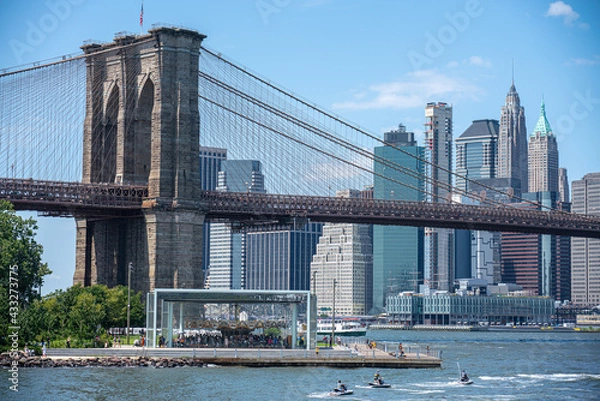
(129, 269)
(333, 316)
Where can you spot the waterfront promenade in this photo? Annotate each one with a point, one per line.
(355, 356)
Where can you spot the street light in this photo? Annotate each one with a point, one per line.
(129, 269)
(333, 316)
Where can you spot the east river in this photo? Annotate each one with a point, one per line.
(504, 365)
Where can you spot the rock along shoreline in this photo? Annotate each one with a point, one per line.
(46, 362)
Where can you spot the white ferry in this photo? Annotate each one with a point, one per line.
(344, 327)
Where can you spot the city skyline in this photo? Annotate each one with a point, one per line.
(461, 55)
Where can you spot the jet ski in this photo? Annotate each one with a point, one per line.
(339, 391)
(462, 376)
(379, 385)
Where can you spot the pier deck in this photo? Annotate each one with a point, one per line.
(338, 356)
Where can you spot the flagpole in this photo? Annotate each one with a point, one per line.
(142, 18)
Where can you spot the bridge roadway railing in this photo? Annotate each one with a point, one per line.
(72, 198)
(28, 194)
(254, 206)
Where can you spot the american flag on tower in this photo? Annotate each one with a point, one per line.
(142, 16)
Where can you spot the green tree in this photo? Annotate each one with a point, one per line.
(59, 306)
(116, 308)
(21, 269)
(86, 316)
(81, 313)
(34, 321)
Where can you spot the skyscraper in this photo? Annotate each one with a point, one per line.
(539, 263)
(543, 156)
(476, 153)
(278, 257)
(227, 258)
(563, 186)
(476, 162)
(439, 242)
(397, 251)
(210, 165)
(521, 257)
(543, 181)
(345, 254)
(549, 262)
(563, 274)
(512, 142)
(585, 252)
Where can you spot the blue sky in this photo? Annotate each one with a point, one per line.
(375, 63)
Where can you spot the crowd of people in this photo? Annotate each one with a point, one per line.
(219, 340)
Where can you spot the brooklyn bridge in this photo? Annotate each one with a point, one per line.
(111, 137)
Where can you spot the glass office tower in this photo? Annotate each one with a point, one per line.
(397, 251)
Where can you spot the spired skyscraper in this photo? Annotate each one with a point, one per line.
(540, 263)
(439, 242)
(555, 258)
(397, 251)
(512, 143)
(543, 156)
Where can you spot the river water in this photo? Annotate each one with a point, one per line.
(505, 365)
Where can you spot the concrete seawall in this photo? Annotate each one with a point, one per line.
(337, 357)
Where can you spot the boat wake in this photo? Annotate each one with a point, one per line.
(421, 392)
(437, 385)
(320, 395)
(535, 378)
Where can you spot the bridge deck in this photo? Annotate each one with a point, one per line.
(78, 199)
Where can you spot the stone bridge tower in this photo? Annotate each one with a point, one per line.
(142, 127)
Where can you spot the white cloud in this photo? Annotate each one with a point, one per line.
(584, 61)
(473, 60)
(413, 91)
(561, 9)
(359, 95)
(477, 60)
